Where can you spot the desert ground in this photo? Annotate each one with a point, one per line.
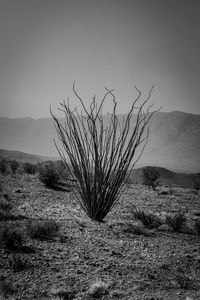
(119, 258)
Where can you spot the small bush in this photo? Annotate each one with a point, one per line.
(3, 165)
(176, 221)
(197, 226)
(6, 288)
(62, 170)
(30, 168)
(42, 229)
(14, 165)
(3, 215)
(49, 175)
(7, 196)
(17, 262)
(11, 238)
(151, 175)
(98, 289)
(148, 220)
(196, 186)
(5, 205)
(134, 229)
(183, 280)
(64, 294)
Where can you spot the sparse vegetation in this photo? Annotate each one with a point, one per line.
(197, 226)
(98, 289)
(176, 221)
(30, 168)
(14, 165)
(6, 288)
(49, 175)
(3, 166)
(134, 229)
(5, 205)
(197, 186)
(100, 155)
(148, 220)
(11, 238)
(42, 229)
(117, 253)
(17, 262)
(3, 215)
(183, 279)
(151, 175)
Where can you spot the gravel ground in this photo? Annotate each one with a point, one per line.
(117, 259)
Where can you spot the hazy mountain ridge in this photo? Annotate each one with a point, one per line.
(23, 157)
(174, 140)
(167, 178)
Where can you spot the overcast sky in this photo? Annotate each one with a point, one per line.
(47, 44)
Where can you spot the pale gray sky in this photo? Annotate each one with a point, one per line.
(47, 44)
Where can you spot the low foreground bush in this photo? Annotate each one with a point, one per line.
(3, 215)
(49, 175)
(17, 262)
(5, 205)
(4, 166)
(197, 226)
(30, 168)
(98, 289)
(6, 288)
(196, 186)
(176, 221)
(11, 238)
(42, 229)
(148, 220)
(14, 165)
(183, 280)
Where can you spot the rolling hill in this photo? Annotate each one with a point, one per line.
(24, 157)
(174, 141)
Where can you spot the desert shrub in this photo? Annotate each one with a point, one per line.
(5, 205)
(134, 229)
(196, 186)
(3, 215)
(150, 177)
(3, 166)
(14, 165)
(11, 238)
(17, 262)
(30, 168)
(7, 196)
(148, 220)
(98, 289)
(6, 288)
(62, 294)
(49, 175)
(176, 221)
(183, 280)
(197, 226)
(62, 170)
(100, 154)
(42, 229)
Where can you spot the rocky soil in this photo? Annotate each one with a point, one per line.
(117, 259)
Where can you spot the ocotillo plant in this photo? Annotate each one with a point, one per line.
(97, 155)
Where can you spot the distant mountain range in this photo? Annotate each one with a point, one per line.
(167, 178)
(174, 141)
(24, 157)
